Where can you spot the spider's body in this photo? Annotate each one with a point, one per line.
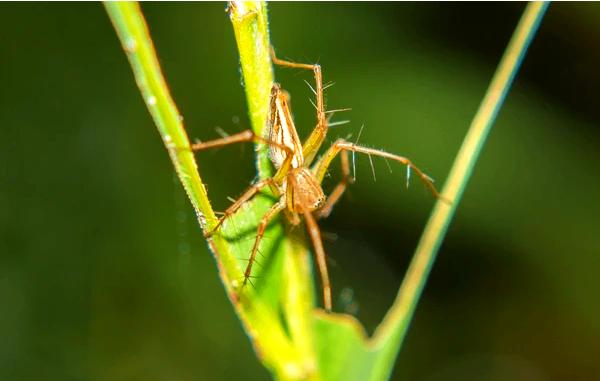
(297, 181)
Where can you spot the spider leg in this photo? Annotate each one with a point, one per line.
(248, 194)
(315, 236)
(341, 145)
(260, 231)
(340, 188)
(241, 137)
(317, 136)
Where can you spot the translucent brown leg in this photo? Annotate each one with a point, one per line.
(315, 236)
(342, 145)
(317, 136)
(241, 137)
(339, 190)
(260, 231)
(248, 194)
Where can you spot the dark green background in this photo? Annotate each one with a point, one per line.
(104, 274)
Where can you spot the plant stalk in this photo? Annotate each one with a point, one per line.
(398, 319)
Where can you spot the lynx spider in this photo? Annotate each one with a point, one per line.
(296, 182)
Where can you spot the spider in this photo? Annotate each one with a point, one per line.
(298, 177)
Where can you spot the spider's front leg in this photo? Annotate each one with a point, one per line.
(241, 137)
(315, 140)
(342, 147)
(246, 136)
(339, 189)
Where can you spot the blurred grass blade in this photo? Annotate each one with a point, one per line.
(133, 33)
(395, 325)
(358, 358)
(275, 313)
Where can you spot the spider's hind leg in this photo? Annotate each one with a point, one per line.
(247, 196)
(260, 231)
(315, 236)
(340, 188)
(315, 140)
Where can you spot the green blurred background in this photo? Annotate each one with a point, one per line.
(104, 274)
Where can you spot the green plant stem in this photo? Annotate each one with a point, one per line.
(397, 320)
(134, 36)
(250, 25)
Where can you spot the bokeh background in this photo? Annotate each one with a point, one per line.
(104, 274)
